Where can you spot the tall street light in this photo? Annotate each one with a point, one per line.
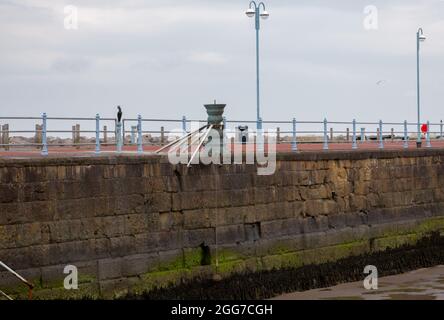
(419, 38)
(254, 10)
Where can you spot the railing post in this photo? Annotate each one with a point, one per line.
(347, 134)
(133, 134)
(224, 137)
(441, 130)
(119, 137)
(123, 132)
(294, 143)
(5, 136)
(105, 134)
(260, 138)
(381, 138)
(162, 135)
(38, 135)
(184, 125)
(77, 134)
(428, 144)
(331, 134)
(362, 135)
(354, 144)
(325, 135)
(97, 133)
(44, 141)
(139, 135)
(406, 135)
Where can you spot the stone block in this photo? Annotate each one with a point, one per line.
(171, 220)
(110, 268)
(130, 204)
(146, 242)
(337, 221)
(11, 214)
(122, 246)
(320, 207)
(8, 193)
(136, 223)
(231, 234)
(279, 228)
(196, 219)
(170, 240)
(193, 238)
(135, 265)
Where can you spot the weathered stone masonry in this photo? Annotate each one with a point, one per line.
(132, 222)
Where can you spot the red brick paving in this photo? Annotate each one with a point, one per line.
(283, 147)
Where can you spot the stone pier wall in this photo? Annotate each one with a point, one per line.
(132, 223)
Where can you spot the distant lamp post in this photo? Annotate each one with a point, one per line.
(419, 38)
(254, 10)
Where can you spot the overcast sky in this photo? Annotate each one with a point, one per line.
(166, 58)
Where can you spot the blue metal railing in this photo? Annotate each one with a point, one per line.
(295, 131)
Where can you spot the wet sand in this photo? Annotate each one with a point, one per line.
(421, 284)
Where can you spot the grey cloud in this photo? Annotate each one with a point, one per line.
(71, 65)
(316, 59)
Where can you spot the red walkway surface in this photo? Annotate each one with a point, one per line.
(15, 152)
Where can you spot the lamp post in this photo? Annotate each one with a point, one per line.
(419, 38)
(254, 10)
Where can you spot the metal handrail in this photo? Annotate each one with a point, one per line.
(294, 128)
(22, 279)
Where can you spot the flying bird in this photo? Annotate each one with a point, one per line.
(119, 114)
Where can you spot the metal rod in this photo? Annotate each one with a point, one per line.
(139, 135)
(224, 141)
(119, 137)
(325, 135)
(406, 136)
(441, 130)
(428, 144)
(29, 284)
(97, 133)
(354, 144)
(294, 143)
(123, 132)
(7, 297)
(200, 144)
(381, 138)
(193, 138)
(180, 139)
(258, 113)
(260, 141)
(418, 140)
(184, 125)
(44, 141)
